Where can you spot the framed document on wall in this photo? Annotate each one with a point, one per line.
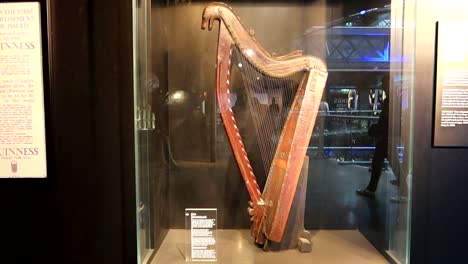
(451, 93)
(23, 78)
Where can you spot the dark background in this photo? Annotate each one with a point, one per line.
(84, 212)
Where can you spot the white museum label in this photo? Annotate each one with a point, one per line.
(22, 121)
(202, 225)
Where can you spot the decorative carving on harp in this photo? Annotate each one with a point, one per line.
(302, 79)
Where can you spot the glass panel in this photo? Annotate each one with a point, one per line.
(401, 131)
(187, 158)
(144, 128)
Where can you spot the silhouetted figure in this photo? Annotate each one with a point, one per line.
(323, 112)
(380, 132)
(274, 108)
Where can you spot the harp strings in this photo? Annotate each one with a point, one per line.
(253, 83)
(269, 100)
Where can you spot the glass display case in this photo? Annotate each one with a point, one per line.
(281, 132)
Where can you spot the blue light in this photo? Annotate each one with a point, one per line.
(381, 56)
(362, 12)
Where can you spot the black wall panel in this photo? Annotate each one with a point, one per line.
(440, 203)
(84, 211)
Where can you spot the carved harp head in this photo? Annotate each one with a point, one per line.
(283, 94)
(210, 14)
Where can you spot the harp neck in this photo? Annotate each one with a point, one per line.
(244, 40)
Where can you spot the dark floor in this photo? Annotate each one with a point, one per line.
(332, 203)
(331, 200)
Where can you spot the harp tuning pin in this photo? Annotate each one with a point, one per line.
(251, 32)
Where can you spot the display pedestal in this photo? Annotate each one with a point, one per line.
(295, 235)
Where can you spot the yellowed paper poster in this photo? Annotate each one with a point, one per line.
(22, 124)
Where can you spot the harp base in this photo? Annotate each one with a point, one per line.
(295, 235)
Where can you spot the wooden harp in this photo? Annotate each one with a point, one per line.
(269, 208)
